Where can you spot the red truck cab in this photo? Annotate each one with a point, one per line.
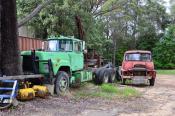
(138, 66)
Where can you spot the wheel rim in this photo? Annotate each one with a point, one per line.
(106, 78)
(63, 84)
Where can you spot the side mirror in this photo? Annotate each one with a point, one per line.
(85, 51)
(83, 45)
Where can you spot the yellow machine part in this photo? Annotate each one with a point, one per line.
(26, 94)
(40, 91)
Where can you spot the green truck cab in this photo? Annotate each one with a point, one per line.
(61, 62)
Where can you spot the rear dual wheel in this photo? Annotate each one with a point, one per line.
(112, 76)
(104, 76)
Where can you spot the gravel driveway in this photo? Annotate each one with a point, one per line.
(155, 101)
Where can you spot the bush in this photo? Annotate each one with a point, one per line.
(163, 53)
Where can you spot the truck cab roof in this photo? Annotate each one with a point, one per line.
(137, 51)
(63, 37)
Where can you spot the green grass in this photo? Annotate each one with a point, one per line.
(166, 72)
(109, 91)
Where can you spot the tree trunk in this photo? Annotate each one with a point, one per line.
(114, 37)
(0, 38)
(10, 57)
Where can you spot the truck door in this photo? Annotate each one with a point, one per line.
(77, 59)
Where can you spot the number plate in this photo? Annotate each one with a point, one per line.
(139, 80)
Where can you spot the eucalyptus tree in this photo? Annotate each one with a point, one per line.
(9, 50)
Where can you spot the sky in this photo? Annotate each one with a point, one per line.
(167, 5)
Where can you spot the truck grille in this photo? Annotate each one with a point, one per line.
(139, 73)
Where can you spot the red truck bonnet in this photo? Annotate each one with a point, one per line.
(128, 65)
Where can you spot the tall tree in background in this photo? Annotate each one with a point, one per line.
(10, 60)
(109, 25)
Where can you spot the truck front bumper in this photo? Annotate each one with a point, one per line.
(138, 79)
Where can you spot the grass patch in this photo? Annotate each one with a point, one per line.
(128, 92)
(108, 91)
(166, 72)
(108, 88)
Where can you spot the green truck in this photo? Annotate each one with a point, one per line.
(62, 63)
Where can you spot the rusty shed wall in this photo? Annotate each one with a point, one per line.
(26, 43)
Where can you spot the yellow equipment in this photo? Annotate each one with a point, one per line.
(40, 91)
(26, 93)
(29, 93)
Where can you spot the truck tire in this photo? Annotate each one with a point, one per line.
(61, 83)
(97, 76)
(118, 76)
(152, 81)
(112, 76)
(104, 76)
(123, 81)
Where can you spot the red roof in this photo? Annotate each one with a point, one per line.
(137, 51)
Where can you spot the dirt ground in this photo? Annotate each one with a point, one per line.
(155, 101)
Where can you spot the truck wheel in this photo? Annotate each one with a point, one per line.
(97, 76)
(152, 81)
(61, 83)
(104, 76)
(112, 77)
(118, 76)
(123, 81)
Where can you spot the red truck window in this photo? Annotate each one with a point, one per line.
(138, 57)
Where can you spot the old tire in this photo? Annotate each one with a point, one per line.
(104, 76)
(152, 81)
(124, 81)
(4, 106)
(112, 76)
(61, 83)
(97, 76)
(118, 76)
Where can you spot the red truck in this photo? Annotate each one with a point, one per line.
(138, 66)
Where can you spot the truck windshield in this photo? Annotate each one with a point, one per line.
(138, 57)
(59, 45)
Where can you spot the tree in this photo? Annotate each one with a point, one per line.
(108, 24)
(34, 12)
(0, 38)
(10, 60)
(164, 52)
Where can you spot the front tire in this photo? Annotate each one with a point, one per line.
(61, 83)
(152, 81)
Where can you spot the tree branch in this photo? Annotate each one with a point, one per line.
(33, 13)
(104, 12)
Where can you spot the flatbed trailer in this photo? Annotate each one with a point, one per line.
(21, 77)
